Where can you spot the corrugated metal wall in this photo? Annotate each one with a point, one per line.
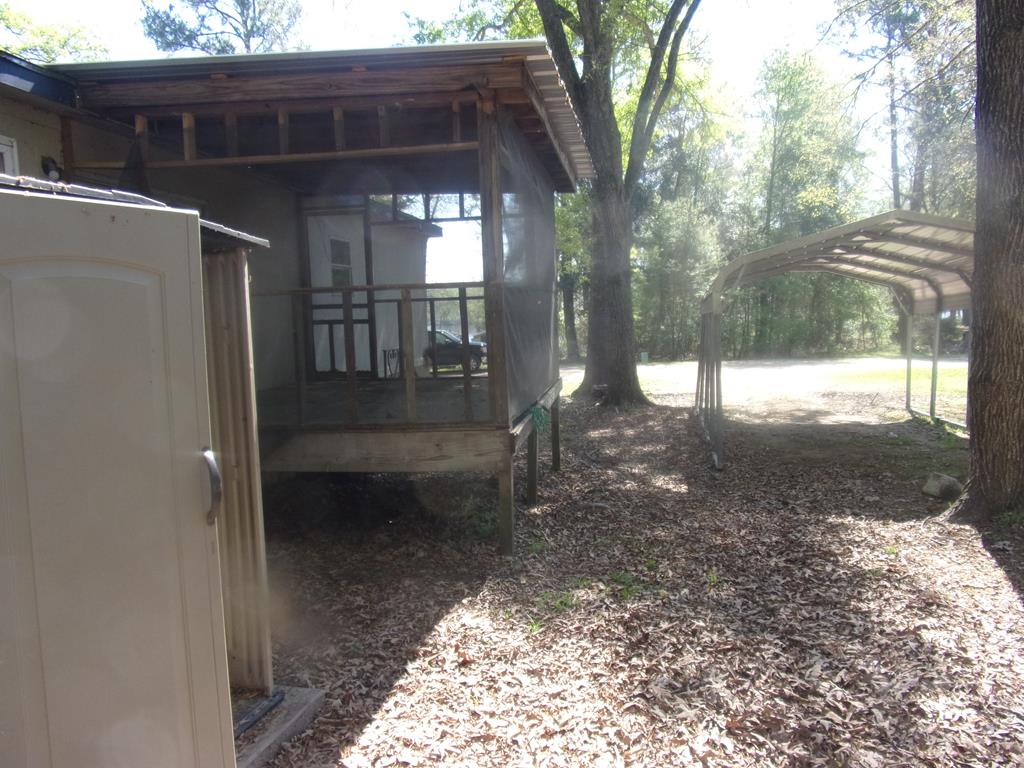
(233, 421)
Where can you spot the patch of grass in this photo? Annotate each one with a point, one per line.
(712, 578)
(537, 546)
(557, 602)
(623, 579)
(628, 593)
(486, 525)
(582, 582)
(626, 585)
(1012, 518)
(651, 564)
(534, 626)
(892, 550)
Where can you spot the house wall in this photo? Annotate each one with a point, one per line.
(36, 132)
(399, 256)
(240, 199)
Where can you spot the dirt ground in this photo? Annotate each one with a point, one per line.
(801, 607)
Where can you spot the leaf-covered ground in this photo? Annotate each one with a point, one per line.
(799, 608)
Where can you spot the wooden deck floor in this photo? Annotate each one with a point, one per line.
(438, 401)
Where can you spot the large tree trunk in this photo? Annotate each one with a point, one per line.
(572, 343)
(611, 350)
(996, 381)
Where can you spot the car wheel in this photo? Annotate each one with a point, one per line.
(475, 362)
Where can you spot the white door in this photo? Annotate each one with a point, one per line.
(111, 625)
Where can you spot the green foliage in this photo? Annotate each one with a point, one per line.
(803, 176)
(678, 248)
(712, 577)
(45, 43)
(923, 50)
(222, 27)
(557, 602)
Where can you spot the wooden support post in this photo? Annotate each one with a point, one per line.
(506, 507)
(282, 131)
(188, 136)
(408, 355)
(909, 338)
(371, 303)
(142, 135)
(493, 259)
(467, 374)
(531, 467)
(556, 437)
(382, 125)
(298, 318)
(67, 148)
(936, 340)
(339, 128)
(231, 133)
(433, 338)
(350, 356)
(456, 120)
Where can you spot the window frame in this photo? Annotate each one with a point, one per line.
(9, 153)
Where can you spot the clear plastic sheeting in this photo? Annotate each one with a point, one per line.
(528, 236)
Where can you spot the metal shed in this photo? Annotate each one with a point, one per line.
(926, 261)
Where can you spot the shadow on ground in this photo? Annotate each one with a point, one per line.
(798, 607)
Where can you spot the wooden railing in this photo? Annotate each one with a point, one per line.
(366, 300)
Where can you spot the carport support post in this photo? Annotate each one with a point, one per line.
(935, 357)
(909, 340)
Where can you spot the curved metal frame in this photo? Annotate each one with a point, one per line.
(857, 251)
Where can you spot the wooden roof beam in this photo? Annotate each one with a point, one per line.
(305, 157)
(138, 95)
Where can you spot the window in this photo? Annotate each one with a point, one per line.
(8, 156)
(341, 264)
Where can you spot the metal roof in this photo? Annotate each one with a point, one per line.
(928, 260)
(538, 60)
(213, 234)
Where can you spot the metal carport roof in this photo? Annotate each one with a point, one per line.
(927, 261)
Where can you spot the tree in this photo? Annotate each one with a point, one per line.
(922, 53)
(222, 27)
(996, 483)
(802, 177)
(680, 205)
(43, 43)
(618, 60)
(573, 244)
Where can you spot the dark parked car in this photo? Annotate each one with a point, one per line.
(449, 350)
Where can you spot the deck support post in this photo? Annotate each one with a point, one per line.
(506, 506)
(936, 340)
(531, 467)
(556, 437)
(909, 341)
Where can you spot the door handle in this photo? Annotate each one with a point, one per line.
(216, 486)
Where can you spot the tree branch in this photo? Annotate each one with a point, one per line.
(551, 16)
(655, 91)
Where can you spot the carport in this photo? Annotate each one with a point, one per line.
(926, 261)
